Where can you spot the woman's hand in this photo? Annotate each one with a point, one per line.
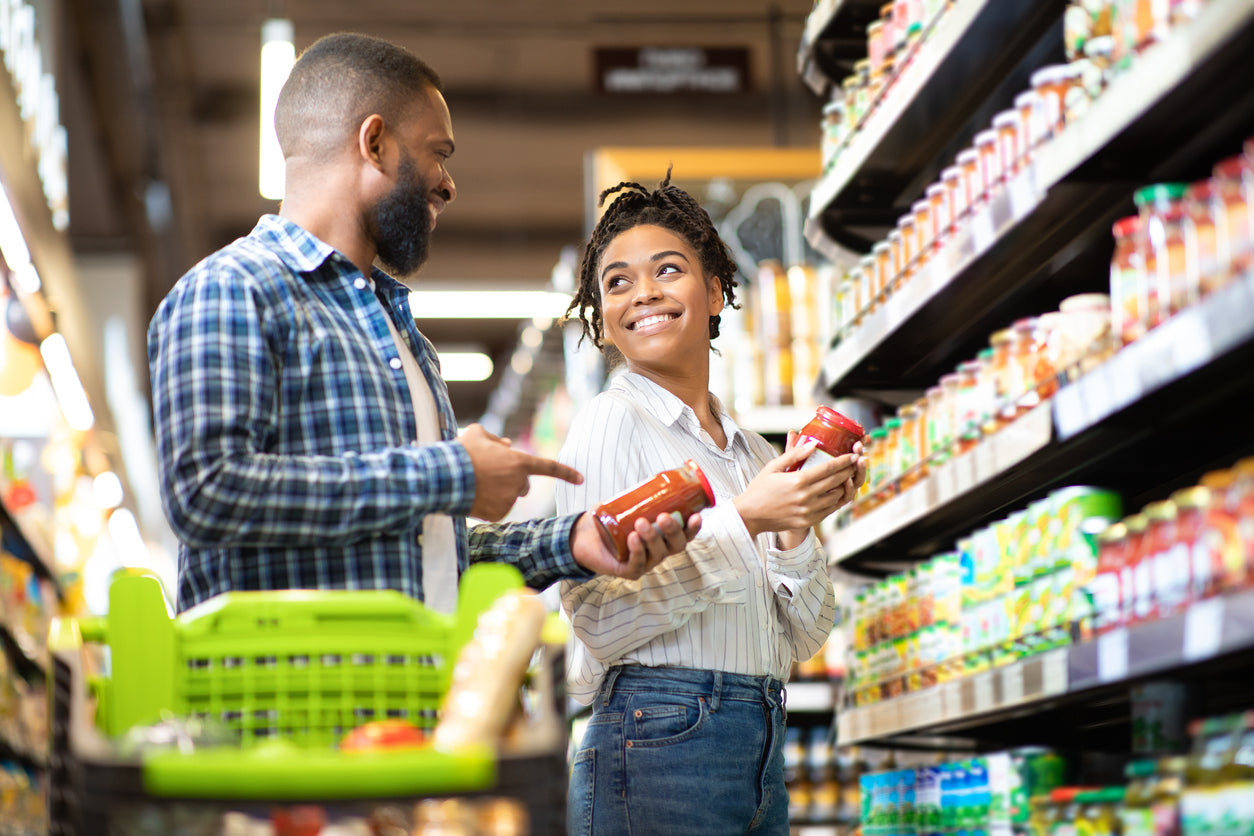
(793, 502)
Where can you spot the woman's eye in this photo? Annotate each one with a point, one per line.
(615, 282)
(667, 268)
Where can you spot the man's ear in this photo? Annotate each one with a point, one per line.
(370, 140)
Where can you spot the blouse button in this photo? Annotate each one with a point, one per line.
(360, 283)
(395, 362)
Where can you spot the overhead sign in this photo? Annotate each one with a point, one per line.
(672, 69)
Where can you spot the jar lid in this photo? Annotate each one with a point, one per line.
(1027, 97)
(934, 391)
(1191, 499)
(1136, 523)
(879, 433)
(1052, 74)
(985, 137)
(1125, 227)
(1201, 190)
(895, 233)
(1113, 533)
(1232, 168)
(950, 379)
(866, 260)
(846, 423)
(906, 220)
(881, 246)
(1085, 302)
(1158, 192)
(1006, 117)
(1140, 768)
(984, 354)
(893, 423)
(935, 189)
(705, 483)
(875, 24)
(952, 172)
(967, 156)
(920, 206)
(1218, 480)
(1160, 511)
(834, 106)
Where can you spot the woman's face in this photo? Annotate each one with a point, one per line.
(656, 301)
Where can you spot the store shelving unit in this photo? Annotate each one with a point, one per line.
(22, 542)
(1147, 420)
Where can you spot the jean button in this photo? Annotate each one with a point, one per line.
(639, 714)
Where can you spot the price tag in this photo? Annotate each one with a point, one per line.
(1112, 656)
(951, 700)
(1203, 629)
(1022, 194)
(983, 233)
(1054, 672)
(1012, 683)
(984, 460)
(983, 683)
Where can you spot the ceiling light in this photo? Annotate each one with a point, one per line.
(469, 366)
(278, 54)
(487, 304)
(66, 384)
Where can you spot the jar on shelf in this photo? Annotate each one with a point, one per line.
(877, 460)
(987, 145)
(986, 387)
(939, 435)
(1009, 127)
(1137, 582)
(897, 261)
(1006, 373)
(1192, 508)
(1162, 215)
(1128, 317)
(1053, 83)
(853, 115)
(1048, 328)
(968, 409)
(892, 454)
(909, 241)
(1170, 569)
(952, 181)
(1039, 382)
(1242, 502)
(924, 230)
(1083, 330)
(941, 213)
(971, 183)
(834, 123)
(1221, 537)
(1234, 220)
(922, 441)
(908, 445)
(1033, 126)
(1200, 249)
(864, 96)
(884, 270)
(877, 49)
(1105, 589)
(952, 417)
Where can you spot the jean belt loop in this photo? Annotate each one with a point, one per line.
(607, 687)
(716, 691)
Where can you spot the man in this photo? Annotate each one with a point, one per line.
(305, 436)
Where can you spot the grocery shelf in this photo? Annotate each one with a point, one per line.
(1192, 644)
(971, 50)
(1181, 107)
(1165, 357)
(970, 476)
(21, 654)
(834, 38)
(22, 541)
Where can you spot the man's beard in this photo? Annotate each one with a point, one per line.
(402, 222)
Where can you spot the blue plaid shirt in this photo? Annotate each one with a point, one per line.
(285, 431)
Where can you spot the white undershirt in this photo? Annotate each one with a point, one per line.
(439, 543)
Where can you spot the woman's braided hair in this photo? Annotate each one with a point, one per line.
(669, 207)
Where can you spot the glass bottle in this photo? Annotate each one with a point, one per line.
(938, 432)
(1200, 248)
(942, 223)
(1127, 282)
(1234, 220)
(1162, 232)
(908, 445)
(1170, 569)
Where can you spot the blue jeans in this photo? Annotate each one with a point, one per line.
(681, 751)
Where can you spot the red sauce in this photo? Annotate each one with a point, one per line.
(683, 491)
(835, 434)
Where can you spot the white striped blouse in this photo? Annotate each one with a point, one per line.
(729, 602)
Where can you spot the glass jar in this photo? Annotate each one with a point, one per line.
(1128, 317)
(1039, 378)
(864, 95)
(967, 407)
(897, 261)
(924, 230)
(892, 453)
(952, 384)
(939, 434)
(849, 92)
(877, 48)
(1006, 373)
(952, 181)
(942, 221)
(1033, 126)
(835, 434)
(1200, 251)
(884, 271)
(1008, 125)
(834, 123)
(1112, 557)
(1222, 535)
(972, 182)
(1137, 582)
(1052, 84)
(877, 459)
(908, 242)
(682, 491)
(987, 145)
(1192, 509)
(1234, 222)
(922, 439)
(1162, 219)
(1170, 569)
(986, 391)
(908, 445)
(1083, 330)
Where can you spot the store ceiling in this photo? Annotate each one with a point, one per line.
(160, 101)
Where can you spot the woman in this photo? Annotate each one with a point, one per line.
(684, 666)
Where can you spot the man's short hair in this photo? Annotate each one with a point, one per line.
(337, 82)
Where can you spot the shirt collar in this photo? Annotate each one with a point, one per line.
(306, 252)
(667, 408)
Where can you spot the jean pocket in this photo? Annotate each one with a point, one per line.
(583, 774)
(659, 719)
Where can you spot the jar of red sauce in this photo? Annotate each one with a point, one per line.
(1221, 535)
(683, 492)
(1170, 569)
(835, 434)
(1137, 579)
(1112, 557)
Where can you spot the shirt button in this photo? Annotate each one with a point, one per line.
(360, 284)
(395, 362)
